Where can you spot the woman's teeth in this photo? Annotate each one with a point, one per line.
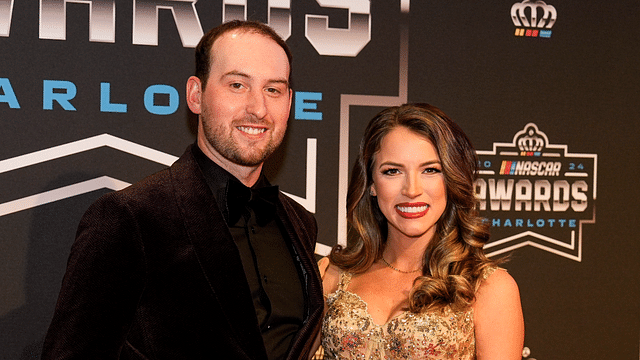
(412, 209)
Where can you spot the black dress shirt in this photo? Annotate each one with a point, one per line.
(272, 274)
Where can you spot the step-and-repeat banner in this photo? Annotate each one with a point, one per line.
(92, 100)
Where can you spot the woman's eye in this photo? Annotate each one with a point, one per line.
(432, 170)
(390, 171)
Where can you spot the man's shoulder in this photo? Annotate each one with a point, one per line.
(293, 205)
(297, 214)
(156, 185)
(144, 193)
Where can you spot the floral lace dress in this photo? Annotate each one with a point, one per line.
(349, 332)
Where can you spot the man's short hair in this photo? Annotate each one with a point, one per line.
(203, 49)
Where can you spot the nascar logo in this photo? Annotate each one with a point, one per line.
(535, 193)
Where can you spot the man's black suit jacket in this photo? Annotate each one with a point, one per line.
(155, 274)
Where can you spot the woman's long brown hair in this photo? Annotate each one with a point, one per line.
(454, 260)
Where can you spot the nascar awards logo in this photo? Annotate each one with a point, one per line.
(536, 193)
(533, 18)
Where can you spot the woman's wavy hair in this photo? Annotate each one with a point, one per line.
(454, 260)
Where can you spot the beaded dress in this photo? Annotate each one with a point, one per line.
(349, 332)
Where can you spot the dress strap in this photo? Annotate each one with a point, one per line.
(488, 272)
(345, 279)
(485, 275)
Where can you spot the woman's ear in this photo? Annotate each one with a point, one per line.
(372, 191)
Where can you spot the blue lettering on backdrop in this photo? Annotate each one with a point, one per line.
(149, 97)
(302, 106)
(63, 91)
(62, 98)
(105, 100)
(540, 223)
(7, 95)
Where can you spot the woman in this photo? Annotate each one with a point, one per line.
(413, 281)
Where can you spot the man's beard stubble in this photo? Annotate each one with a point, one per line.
(226, 146)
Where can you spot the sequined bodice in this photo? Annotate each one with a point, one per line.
(349, 332)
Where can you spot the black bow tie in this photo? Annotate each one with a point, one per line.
(262, 200)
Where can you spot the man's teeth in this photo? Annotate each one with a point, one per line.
(412, 209)
(251, 130)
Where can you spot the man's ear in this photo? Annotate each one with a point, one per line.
(194, 94)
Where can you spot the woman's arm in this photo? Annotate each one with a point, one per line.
(329, 275)
(499, 324)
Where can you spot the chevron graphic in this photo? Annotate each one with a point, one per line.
(107, 182)
(103, 182)
(86, 145)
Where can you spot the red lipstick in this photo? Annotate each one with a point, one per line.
(412, 210)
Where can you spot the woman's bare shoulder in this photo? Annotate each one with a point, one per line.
(498, 283)
(330, 275)
(498, 319)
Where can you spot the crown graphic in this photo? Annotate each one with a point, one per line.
(525, 14)
(530, 140)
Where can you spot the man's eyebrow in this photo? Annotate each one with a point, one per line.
(237, 73)
(284, 82)
(247, 76)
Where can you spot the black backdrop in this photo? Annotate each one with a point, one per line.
(92, 98)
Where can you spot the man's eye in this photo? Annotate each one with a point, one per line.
(236, 85)
(274, 91)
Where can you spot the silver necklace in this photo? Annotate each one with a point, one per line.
(398, 270)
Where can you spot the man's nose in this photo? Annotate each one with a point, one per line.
(256, 104)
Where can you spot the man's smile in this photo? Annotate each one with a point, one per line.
(251, 130)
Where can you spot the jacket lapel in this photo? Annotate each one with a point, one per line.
(217, 254)
(303, 236)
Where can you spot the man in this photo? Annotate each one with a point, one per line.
(204, 259)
